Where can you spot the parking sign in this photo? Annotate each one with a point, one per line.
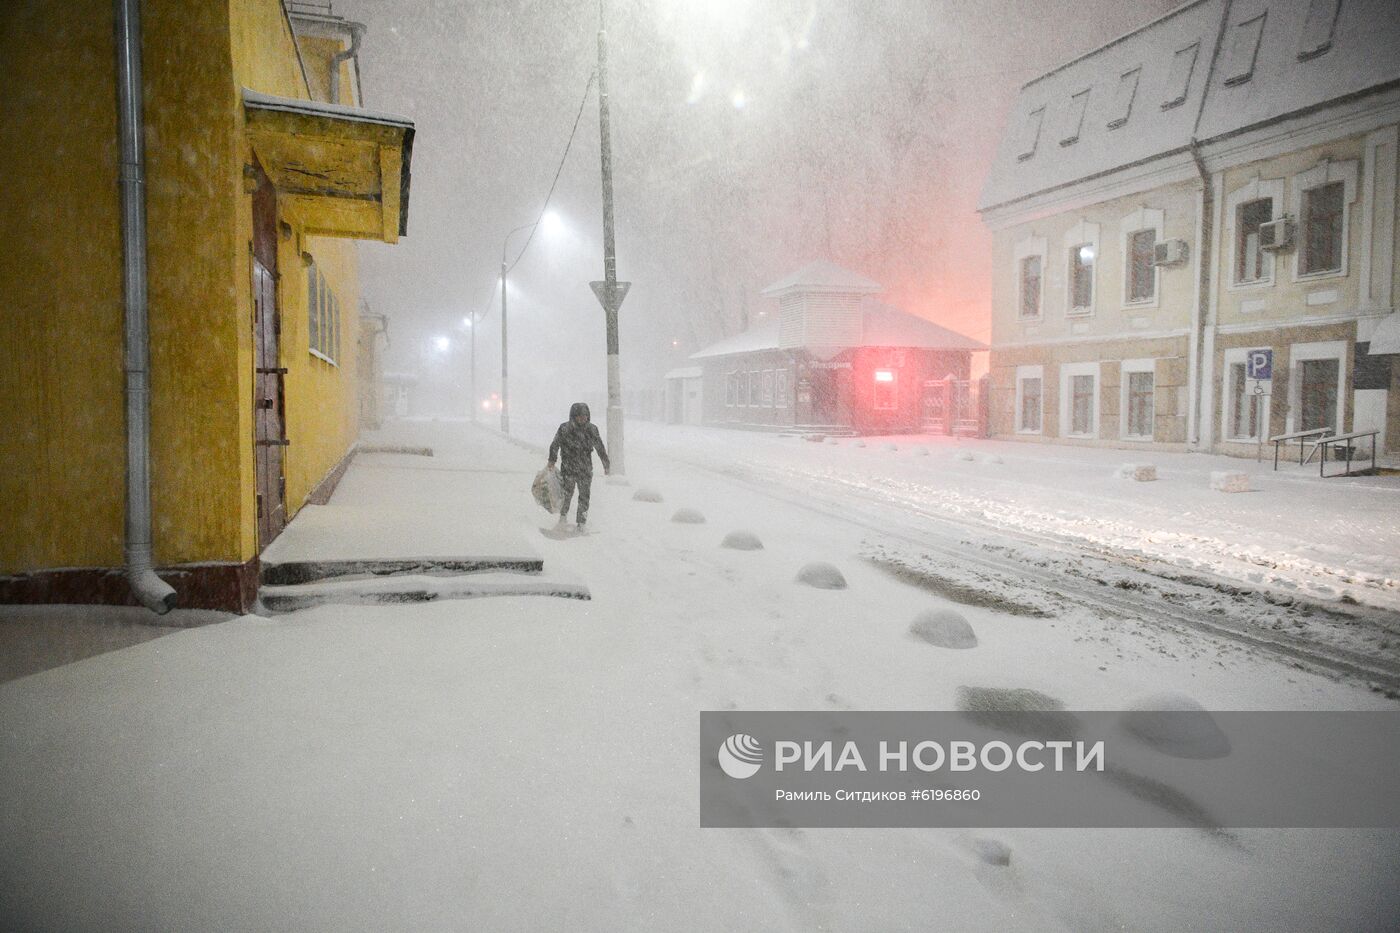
(1260, 364)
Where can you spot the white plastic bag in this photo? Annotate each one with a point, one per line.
(547, 490)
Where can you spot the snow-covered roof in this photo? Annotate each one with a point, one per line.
(686, 372)
(1065, 125)
(1192, 74)
(888, 326)
(253, 100)
(1306, 54)
(762, 336)
(822, 275)
(884, 326)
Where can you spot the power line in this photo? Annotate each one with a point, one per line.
(557, 172)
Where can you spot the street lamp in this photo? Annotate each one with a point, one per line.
(469, 322)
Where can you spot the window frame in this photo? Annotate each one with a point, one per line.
(1254, 190)
(780, 389)
(1024, 374)
(1324, 173)
(1299, 353)
(1144, 218)
(1077, 237)
(1240, 356)
(1184, 78)
(1026, 248)
(1127, 369)
(1067, 373)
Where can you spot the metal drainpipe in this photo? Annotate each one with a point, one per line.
(150, 590)
(357, 31)
(1204, 259)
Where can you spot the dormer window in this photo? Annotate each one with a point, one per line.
(1319, 28)
(1243, 50)
(1074, 118)
(1030, 134)
(1179, 79)
(1123, 95)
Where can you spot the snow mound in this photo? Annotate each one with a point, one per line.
(992, 458)
(742, 541)
(832, 441)
(1176, 725)
(814, 438)
(822, 575)
(647, 494)
(1018, 710)
(920, 450)
(688, 517)
(1229, 481)
(943, 628)
(962, 455)
(857, 443)
(991, 851)
(889, 446)
(1142, 472)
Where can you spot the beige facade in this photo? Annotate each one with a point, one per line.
(1262, 176)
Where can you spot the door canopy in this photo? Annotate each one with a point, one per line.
(341, 171)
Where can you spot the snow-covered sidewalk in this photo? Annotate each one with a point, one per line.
(531, 762)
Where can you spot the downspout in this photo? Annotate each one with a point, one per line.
(1204, 252)
(150, 590)
(357, 32)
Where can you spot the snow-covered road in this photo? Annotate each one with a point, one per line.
(529, 763)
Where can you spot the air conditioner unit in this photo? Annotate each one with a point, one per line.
(1276, 234)
(1170, 253)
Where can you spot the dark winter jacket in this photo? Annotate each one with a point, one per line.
(576, 442)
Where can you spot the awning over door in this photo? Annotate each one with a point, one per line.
(341, 171)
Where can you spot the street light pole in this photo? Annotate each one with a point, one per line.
(505, 270)
(610, 292)
(471, 324)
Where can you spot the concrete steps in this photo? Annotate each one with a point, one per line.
(415, 588)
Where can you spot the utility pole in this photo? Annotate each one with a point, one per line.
(471, 323)
(610, 291)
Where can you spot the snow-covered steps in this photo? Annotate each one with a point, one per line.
(415, 589)
(285, 573)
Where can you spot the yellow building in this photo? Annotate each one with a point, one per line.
(1211, 193)
(256, 172)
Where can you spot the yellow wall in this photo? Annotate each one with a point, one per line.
(63, 446)
(61, 358)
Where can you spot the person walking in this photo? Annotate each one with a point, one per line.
(573, 447)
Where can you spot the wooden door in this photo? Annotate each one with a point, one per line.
(269, 408)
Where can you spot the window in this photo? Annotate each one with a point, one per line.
(1140, 389)
(1074, 118)
(1179, 78)
(313, 308)
(748, 389)
(1243, 50)
(780, 388)
(1122, 105)
(1319, 28)
(1322, 229)
(1081, 245)
(1081, 417)
(1028, 405)
(765, 396)
(1252, 264)
(1142, 275)
(1079, 408)
(886, 395)
(1244, 418)
(1081, 277)
(322, 316)
(1030, 286)
(1319, 394)
(1030, 134)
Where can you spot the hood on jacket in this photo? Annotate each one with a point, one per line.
(579, 408)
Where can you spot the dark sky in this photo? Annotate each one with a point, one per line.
(749, 137)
